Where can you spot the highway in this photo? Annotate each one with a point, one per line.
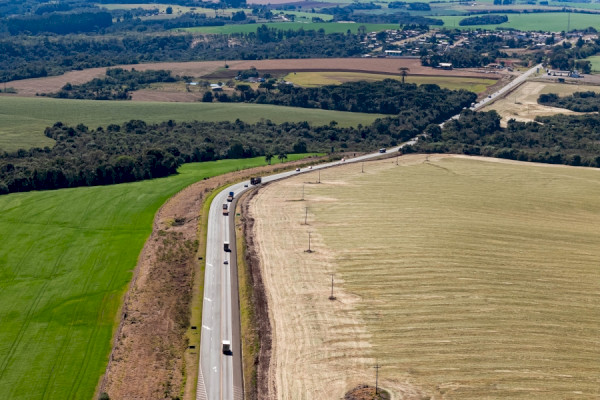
(220, 375)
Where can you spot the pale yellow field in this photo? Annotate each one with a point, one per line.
(522, 104)
(314, 79)
(464, 278)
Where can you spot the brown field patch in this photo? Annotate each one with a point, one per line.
(216, 70)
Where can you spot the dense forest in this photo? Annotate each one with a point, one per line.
(559, 139)
(135, 151)
(579, 101)
(483, 20)
(116, 86)
(389, 96)
(30, 57)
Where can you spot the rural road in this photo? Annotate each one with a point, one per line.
(219, 374)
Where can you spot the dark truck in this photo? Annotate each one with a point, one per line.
(255, 181)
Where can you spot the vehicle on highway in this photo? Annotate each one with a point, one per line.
(225, 262)
(226, 347)
(310, 167)
(297, 169)
(382, 150)
(255, 181)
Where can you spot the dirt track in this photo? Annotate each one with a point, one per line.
(29, 87)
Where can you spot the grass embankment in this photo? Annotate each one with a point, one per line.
(328, 27)
(315, 79)
(553, 22)
(471, 278)
(23, 120)
(66, 257)
(249, 332)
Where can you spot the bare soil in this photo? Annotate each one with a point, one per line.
(366, 392)
(216, 70)
(147, 360)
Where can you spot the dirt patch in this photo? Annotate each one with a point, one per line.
(147, 359)
(366, 392)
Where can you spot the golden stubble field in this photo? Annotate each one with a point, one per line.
(522, 105)
(464, 278)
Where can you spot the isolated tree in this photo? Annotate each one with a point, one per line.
(169, 10)
(268, 157)
(403, 72)
(282, 156)
(208, 97)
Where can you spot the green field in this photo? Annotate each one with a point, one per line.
(23, 120)
(554, 22)
(66, 257)
(474, 279)
(314, 79)
(595, 60)
(328, 27)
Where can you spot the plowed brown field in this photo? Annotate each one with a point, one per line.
(29, 87)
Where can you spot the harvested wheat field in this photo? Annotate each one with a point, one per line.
(464, 278)
(522, 104)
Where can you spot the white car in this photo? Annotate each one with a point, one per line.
(297, 169)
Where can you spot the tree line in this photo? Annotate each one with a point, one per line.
(559, 139)
(135, 150)
(389, 96)
(117, 85)
(579, 101)
(24, 57)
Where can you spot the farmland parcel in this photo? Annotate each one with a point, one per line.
(463, 278)
(66, 257)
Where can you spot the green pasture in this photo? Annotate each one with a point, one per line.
(554, 22)
(328, 27)
(595, 60)
(23, 120)
(314, 79)
(66, 258)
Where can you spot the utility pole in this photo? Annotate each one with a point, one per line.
(303, 192)
(377, 366)
(362, 168)
(309, 250)
(397, 157)
(305, 215)
(319, 177)
(332, 297)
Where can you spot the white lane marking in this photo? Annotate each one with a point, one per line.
(207, 299)
(206, 327)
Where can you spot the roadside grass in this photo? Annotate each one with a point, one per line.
(475, 279)
(554, 22)
(314, 79)
(249, 335)
(595, 60)
(328, 27)
(66, 258)
(23, 120)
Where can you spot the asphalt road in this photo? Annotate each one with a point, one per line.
(220, 375)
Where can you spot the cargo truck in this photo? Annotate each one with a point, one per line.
(256, 180)
(226, 246)
(230, 197)
(225, 209)
(226, 347)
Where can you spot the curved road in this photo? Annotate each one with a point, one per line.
(219, 374)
